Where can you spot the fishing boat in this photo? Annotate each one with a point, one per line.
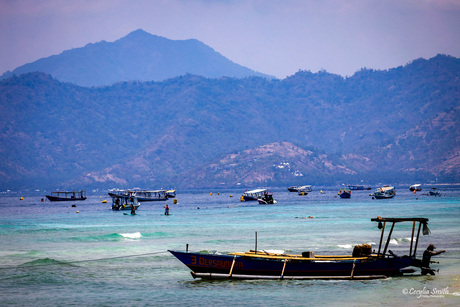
(362, 264)
(253, 195)
(415, 187)
(125, 202)
(434, 192)
(142, 195)
(171, 193)
(358, 187)
(67, 196)
(267, 199)
(345, 193)
(304, 188)
(384, 192)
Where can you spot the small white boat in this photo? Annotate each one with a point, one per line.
(416, 187)
(384, 192)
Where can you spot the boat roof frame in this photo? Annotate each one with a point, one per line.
(413, 243)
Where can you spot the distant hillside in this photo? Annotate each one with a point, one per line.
(139, 56)
(399, 125)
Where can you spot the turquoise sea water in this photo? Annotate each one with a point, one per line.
(50, 255)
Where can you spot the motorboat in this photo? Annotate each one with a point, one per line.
(384, 192)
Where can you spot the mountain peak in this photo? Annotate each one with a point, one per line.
(138, 56)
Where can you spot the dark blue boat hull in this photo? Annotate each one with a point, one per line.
(263, 267)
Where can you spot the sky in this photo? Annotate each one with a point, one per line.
(275, 37)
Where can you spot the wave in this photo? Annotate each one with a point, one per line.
(44, 262)
(110, 237)
(135, 235)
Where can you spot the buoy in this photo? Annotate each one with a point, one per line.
(43, 200)
(78, 211)
(231, 195)
(242, 198)
(210, 194)
(321, 191)
(104, 201)
(22, 198)
(175, 201)
(218, 193)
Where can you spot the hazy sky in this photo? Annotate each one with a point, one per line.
(276, 37)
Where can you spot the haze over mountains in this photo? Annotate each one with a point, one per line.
(139, 56)
(190, 131)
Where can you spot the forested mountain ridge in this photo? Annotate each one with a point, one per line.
(378, 126)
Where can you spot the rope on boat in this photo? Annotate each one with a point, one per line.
(80, 261)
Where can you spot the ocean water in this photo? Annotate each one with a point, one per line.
(50, 255)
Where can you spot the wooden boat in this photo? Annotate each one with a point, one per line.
(67, 196)
(304, 188)
(434, 192)
(125, 203)
(345, 193)
(253, 194)
(362, 264)
(384, 192)
(171, 193)
(358, 187)
(142, 195)
(415, 187)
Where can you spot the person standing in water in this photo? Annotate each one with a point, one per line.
(426, 259)
(133, 210)
(166, 209)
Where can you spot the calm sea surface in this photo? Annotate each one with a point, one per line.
(50, 255)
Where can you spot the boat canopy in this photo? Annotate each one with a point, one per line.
(257, 191)
(414, 237)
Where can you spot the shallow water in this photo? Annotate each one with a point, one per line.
(52, 255)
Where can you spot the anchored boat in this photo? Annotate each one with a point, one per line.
(384, 192)
(67, 196)
(362, 264)
(304, 188)
(358, 187)
(253, 194)
(142, 195)
(125, 203)
(345, 193)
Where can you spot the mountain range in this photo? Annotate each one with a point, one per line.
(191, 131)
(139, 56)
